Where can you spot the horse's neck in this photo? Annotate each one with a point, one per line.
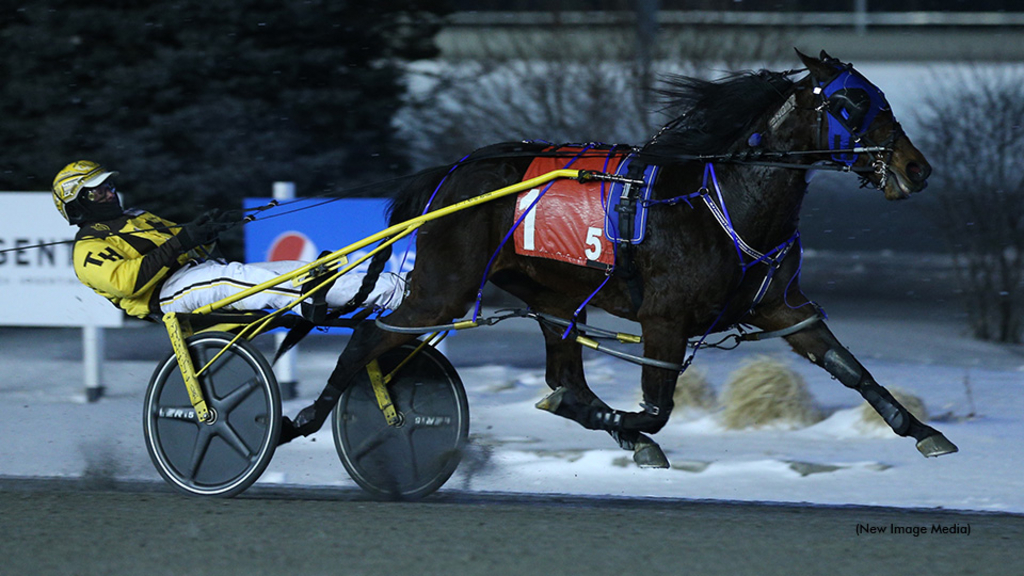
(767, 200)
(763, 203)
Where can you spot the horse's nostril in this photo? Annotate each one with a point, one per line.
(918, 172)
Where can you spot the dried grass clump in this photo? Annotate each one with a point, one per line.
(766, 391)
(869, 417)
(694, 392)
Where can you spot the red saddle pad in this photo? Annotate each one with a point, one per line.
(567, 219)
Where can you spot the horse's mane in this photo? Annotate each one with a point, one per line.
(714, 114)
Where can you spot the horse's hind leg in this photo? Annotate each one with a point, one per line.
(433, 300)
(572, 397)
(367, 342)
(627, 428)
(820, 346)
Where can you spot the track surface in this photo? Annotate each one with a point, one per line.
(67, 527)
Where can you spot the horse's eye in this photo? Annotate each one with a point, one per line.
(851, 105)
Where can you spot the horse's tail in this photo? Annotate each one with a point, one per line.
(408, 203)
(411, 200)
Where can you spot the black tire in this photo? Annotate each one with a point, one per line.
(415, 458)
(224, 457)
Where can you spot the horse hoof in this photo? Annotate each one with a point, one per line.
(552, 401)
(649, 455)
(936, 445)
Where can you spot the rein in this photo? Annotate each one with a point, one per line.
(762, 158)
(751, 157)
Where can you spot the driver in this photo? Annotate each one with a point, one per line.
(147, 265)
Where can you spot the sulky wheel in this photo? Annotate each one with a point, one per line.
(415, 457)
(225, 456)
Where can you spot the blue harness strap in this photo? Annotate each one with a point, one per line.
(620, 192)
(748, 256)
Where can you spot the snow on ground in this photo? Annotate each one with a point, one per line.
(837, 461)
(972, 391)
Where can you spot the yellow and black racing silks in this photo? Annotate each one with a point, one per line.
(126, 259)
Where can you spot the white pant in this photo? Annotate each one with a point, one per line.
(198, 284)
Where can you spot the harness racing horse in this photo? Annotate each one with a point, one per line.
(720, 255)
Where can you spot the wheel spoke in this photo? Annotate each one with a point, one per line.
(199, 451)
(236, 396)
(370, 443)
(413, 461)
(228, 434)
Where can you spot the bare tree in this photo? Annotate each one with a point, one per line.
(522, 92)
(974, 136)
(561, 86)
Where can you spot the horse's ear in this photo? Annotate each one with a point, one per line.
(818, 68)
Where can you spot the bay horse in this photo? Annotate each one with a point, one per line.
(724, 255)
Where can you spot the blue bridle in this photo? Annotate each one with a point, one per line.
(851, 103)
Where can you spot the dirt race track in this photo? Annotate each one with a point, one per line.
(70, 528)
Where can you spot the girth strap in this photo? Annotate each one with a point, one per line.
(625, 263)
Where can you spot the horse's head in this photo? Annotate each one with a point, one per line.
(853, 114)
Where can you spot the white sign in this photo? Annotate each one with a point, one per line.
(38, 286)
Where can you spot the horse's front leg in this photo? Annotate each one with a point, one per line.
(820, 346)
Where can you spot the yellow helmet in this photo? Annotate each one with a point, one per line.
(70, 182)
